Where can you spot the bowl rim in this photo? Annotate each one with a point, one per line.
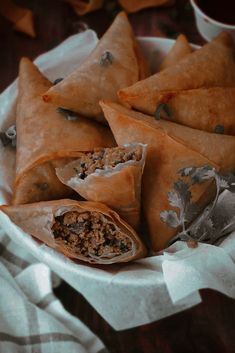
(210, 19)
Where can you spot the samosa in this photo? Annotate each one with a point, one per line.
(111, 176)
(210, 66)
(218, 148)
(87, 231)
(115, 63)
(178, 51)
(209, 109)
(165, 158)
(45, 139)
(137, 5)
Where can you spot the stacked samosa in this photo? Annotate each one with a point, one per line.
(180, 49)
(45, 140)
(209, 109)
(115, 63)
(213, 65)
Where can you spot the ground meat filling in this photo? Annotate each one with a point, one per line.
(106, 158)
(90, 234)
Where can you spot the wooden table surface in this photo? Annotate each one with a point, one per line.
(206, 328)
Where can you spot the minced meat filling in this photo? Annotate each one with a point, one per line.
(90, 234)
(106, 158)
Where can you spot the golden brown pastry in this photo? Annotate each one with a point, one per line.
(136, 5)
(82, 7)
(217, 147)
(87, 231)
(210, 66)
(209, 109)
(111, 176)
(116, 62)
(179, 50)
(45, 140)
(21, 17)
(165, 158)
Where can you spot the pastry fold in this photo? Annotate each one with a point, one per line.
(45, 140)
(115, 63)
(219, 148)
(179, 50)
(209, 109)
(165, 158)
(82, 7)
(87, 231)
(206, 67)
(111, 176)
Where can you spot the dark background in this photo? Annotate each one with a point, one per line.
(206, 328)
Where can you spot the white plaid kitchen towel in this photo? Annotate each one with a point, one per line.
(32, 319)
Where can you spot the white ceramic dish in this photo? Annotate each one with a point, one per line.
(207, 26)
(126, 296)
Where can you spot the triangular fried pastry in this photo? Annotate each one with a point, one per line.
(45, 139)
(82, 7)
(87, 231)
(111, 176)
(210, 66)
(165, 158)
(179, 50)
(112, 65)
(21, 17)
(25, 24)
(136, 5)
(209, 109)
(217, 147)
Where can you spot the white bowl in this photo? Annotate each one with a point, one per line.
(125, 296)
(207, 26)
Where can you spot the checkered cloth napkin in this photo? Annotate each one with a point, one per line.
(32, 319)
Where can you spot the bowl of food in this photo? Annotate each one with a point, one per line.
(100, 191)
(213, 17)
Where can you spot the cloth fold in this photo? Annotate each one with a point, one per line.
(32, 318)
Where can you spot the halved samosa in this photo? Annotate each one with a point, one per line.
(115, 63)
(179, 50)
(87, 231)
(210, 66)
(165, 158)
(208, 109)
(45, 140)
(111, 176)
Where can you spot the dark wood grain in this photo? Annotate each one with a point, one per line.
(206, 328)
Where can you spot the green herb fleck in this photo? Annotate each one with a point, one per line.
(219, 129)
(165, 108)
(68, 114)
(106, 58)
(215, 222)
(58, 80)
(9, 136)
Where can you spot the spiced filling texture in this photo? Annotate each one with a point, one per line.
(90, 234)
(106, 158)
